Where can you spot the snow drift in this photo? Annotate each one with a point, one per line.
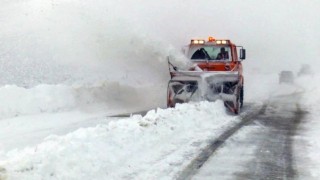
(148, 147)
(103, 96)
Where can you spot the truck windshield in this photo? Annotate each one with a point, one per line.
(209, 53)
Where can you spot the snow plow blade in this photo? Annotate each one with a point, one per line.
(186, 86)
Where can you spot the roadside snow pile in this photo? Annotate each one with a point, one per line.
(16, 101)
(155, 146)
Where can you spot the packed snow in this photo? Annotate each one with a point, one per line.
(66, 67)
(150, 147)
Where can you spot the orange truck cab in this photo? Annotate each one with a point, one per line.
(215, 55)
(216, 72)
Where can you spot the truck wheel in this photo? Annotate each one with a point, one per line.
(241, 96)
(237, 105)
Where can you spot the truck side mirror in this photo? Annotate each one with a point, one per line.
(242, 54)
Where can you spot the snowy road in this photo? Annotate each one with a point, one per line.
(67, 67)
(262, 149)
(192, 141)
(257, 145)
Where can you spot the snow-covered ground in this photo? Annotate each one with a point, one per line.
(66, 66)
(150, 147)
(70, 144)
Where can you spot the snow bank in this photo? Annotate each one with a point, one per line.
(17, 101)
(150, 147)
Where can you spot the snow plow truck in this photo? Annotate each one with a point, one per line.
(215, 73)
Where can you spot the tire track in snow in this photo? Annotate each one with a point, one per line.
(204, 155)
(274, 157)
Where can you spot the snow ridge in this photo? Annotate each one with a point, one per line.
(17, 101)
(139, 147)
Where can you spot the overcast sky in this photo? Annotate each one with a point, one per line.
(278, 34)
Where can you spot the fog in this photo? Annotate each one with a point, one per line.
(70, 40)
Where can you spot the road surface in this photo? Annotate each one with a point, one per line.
(260, 148)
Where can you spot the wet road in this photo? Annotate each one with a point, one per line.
(262, 148)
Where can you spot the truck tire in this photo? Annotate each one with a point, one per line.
(241, 96)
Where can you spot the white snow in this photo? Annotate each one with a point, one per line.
(232, 158)
(30, 130)
(150, 147)
(67, 65)
(308, 138)
(16, 101)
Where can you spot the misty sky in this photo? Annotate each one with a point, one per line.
(275, 32)
(123, 35)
